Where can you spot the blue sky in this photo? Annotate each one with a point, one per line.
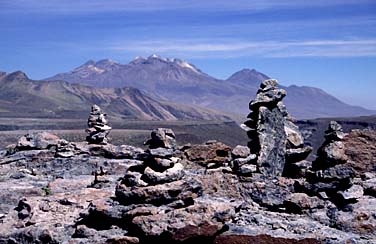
(329, 44)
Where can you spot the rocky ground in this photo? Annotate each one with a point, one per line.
(54, 191)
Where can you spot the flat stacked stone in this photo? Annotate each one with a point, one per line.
(98, 128)
(331, 177)
(296, 151)
(274, 139)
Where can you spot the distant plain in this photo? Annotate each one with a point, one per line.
(131, 132)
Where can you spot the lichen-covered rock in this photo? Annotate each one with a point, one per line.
(273, 136)
(272, 141)
(269, 193)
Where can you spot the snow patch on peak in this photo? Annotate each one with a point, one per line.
(155, 56)
(96, 69)
(185, 64)
(178, 62)
(88, 69)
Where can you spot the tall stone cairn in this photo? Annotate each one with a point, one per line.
(274, 139)
(98, 128)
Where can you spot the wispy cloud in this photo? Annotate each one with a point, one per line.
(90, 6)
(266, 49)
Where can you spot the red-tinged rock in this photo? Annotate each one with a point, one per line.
(211, 155)
(159, 194)
(123, 240)
(204, 219)
(261, 239)
(360, 147)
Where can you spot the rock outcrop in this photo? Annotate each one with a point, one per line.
(42, 140)
(274, 139)
(98, 128)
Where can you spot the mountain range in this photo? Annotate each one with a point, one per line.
(179, 81)
(23, 97)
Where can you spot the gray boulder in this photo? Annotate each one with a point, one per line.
(162, 137)
(38, 141)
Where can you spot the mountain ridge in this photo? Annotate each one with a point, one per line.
(179, 81)
(63, 99)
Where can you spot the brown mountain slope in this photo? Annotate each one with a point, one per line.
(22, 97)
(178, 81)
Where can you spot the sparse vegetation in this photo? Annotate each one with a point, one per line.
(47, 191)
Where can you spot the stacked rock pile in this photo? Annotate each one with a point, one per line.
(274, 139)
(161, 200)
(162, 137)
(98, 128)
(331, 177)
(160, 173)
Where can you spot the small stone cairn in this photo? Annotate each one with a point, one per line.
(331, 177)
(159, 174)
(162, 137)
(98, 128)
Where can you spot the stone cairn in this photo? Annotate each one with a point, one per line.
(98, 128)
(331, 177)
(160, 174)
(160, 202)
(276, 145)
(160, 165)
(162, 137)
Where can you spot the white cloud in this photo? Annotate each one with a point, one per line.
(90, 6)
(235, 48)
